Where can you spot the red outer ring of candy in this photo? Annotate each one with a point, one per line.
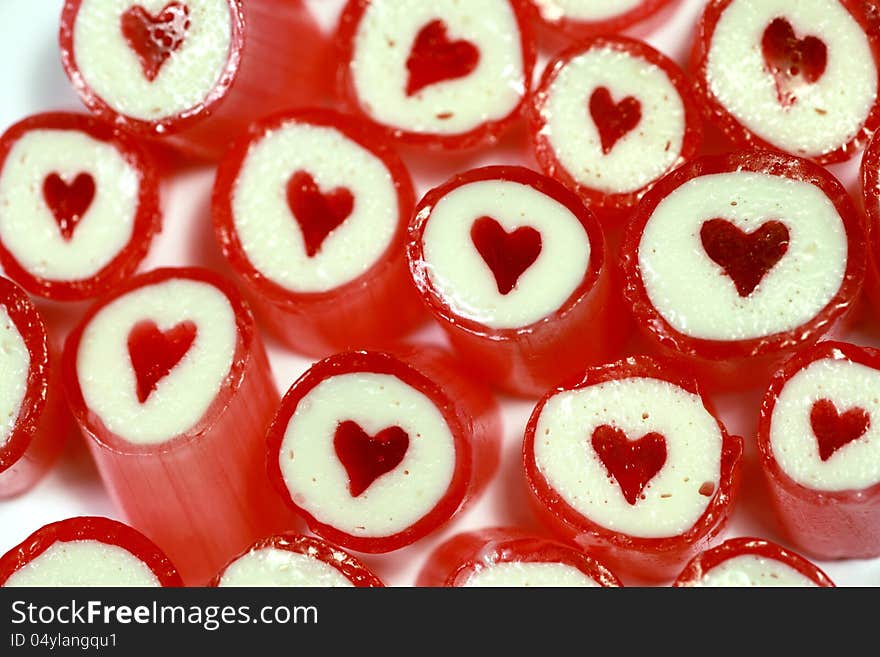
(485, 133)
(455, 560)
(30, 326)
(351, 568)
(94, 426)
(83, 528)
(360, 132)
(147, 220)
(634, 552)
(166, 126)
(579, 29)
(736, 131)
(544, 151)
(736, 547)
(416, 257)
(379, 363)
(779, 164)
(870, 179)
(824, 501)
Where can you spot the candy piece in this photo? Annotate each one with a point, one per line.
(87, 551)
(514, 267)
(292, 560)
(443, 74)
(170, 384)
(584, 18)
(732, 262)
(870, 179)
(311, 210)
(192, 72)
(36, 421)
(79, 205)
(743, 562)
(632, 465)
(819, 437)
(811, 73)
(612, 116)
(377, 450)
(508, 557)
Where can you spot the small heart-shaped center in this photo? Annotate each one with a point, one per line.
(613, 120)
(793, 62)
(68, 202)
(434, 58)
(745, 257)
(507, 254)
(154, 353)
(154, 38)
(365, 457)
(318, 214)
(833, 430)
(632, 463)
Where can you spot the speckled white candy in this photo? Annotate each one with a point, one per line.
(273, 567)
(694, 294)
(672, 502)
(529, 574)
(29, 229)
(383, 44)
(15, 363)
(270, 235)
(752, 570)
(84, 563)
(464, 280)
(114, 72)
(585, 10)
(827, 114)
(639, 157)
(848, 385)
(180, 400)
(317, 480)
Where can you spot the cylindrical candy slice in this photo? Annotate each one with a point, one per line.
(631, 465)
(79, 205)
(515, 269)
(170, 383)
(87, 551)
(375, 450)
(733, 262)
(582, 18)
(311, 210)
(819, 437)
(511, 558)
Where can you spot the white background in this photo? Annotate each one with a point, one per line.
(32, 80)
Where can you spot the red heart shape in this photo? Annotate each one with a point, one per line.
(434, 58)
(792, 61)
(507, 254)
(68, 202)
(154, 38)
(317, 214)
(745, 257)
(154, 353)
(365, 457)
(632, 463)
(834, 430)
(613, 120)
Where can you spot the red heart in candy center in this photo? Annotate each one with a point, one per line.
(434, 58)
(365, 457)
(613, 120)
(154, 38)
(745, 257)
(792, 61)
(507, 254)
(317, 214)
(68, 202)
(632, 463)
(155, 353)
(834, 430)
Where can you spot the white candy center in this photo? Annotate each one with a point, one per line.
(273, 567)
(752, 570)
(525, 574)
(15, 364)
(585, 10)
